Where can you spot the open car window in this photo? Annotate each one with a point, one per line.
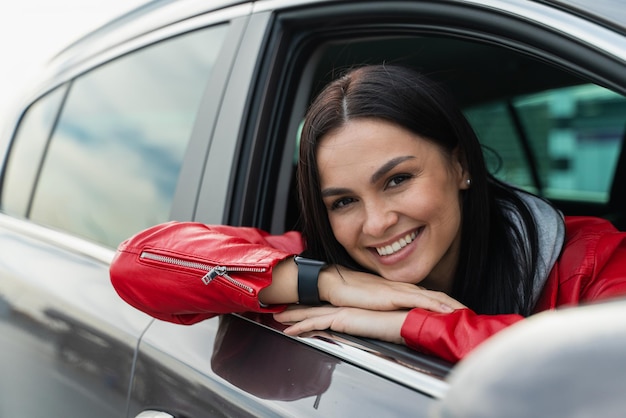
(544, 122)
(544, 128)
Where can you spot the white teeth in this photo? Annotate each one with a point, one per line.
(396, 246)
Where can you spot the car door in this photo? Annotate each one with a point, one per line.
(95, 157)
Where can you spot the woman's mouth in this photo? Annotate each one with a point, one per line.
(398, 245)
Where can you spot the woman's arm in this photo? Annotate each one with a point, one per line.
(185, 272)
(340, 286)
(452, 336)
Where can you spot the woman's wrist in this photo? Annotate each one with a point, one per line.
(308, 278)
(324, 282)
(284, 286)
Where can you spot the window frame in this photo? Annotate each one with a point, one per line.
(296, 32)
(273, 111)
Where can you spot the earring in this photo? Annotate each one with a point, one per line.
(468, 182)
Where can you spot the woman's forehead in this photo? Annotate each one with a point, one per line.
(364, 135)
(365, 147)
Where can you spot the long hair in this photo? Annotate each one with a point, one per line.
(497, 260)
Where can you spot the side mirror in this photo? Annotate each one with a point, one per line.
(564, 363)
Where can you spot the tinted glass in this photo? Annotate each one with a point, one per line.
(114, 158)
(575, 134)
(27, 151)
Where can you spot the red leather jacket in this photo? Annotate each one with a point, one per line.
(187, 272)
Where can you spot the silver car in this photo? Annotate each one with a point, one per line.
(190, 110)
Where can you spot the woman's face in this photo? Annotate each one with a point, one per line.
(393, 201)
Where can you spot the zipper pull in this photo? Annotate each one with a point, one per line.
(222, 271)
(213, 273)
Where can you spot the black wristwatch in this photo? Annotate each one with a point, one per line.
(308, 273)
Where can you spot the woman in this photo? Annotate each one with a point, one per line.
(408, 238)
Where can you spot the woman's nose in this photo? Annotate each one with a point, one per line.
(378, 218)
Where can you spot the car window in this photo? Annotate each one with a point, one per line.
(574, 135)
(25, 158)
(544, 128)
(113, 160)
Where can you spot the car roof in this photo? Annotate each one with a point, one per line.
(151, 16)
(611, 13)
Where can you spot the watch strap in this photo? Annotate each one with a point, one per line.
(308, 274)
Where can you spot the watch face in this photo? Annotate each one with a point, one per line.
(308, 261)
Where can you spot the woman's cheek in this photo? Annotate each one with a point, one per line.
(340, 229)
(346, 232)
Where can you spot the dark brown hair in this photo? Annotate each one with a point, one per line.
(496, 264)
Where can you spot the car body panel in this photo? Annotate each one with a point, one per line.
(230, 366)
(67, 339)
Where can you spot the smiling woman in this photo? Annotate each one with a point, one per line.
(415, 242)
(177, 129)
(382, 184)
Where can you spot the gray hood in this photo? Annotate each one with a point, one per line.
(550, 232)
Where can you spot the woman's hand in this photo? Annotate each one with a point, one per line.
(348, 288)
(381, 325)
(365, 305)
(343, 287)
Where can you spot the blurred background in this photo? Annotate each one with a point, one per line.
(32, 31)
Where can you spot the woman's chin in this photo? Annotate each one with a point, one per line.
(402, 276)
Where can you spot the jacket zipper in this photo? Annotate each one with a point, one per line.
(212, 271)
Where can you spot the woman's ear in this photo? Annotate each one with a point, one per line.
(462, 174)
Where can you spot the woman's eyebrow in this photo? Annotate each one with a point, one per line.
(387, 167)
(335, 191)
(384, 169)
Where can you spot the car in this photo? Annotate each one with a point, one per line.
(190, 110)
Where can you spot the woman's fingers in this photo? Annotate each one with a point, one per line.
(386, 295)
(427, 299)
(364, 305)
(297, 313)
(440, 297)
(306, 319)
(344, 287)
(361, 322)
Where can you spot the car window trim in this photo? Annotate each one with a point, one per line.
(44, 154)
(61, 71)
(529, 154)
(188, 186)
(417, 373)
(219, 177)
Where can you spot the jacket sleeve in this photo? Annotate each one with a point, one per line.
(451, 336)
(185, 272)
(591, 268)
(608, 279)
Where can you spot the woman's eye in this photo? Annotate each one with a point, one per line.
(397, 180)
(341, 203)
